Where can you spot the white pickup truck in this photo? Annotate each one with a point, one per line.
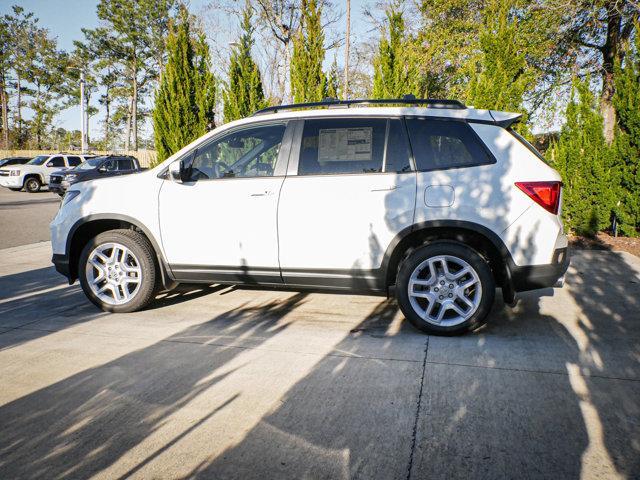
(34, 174)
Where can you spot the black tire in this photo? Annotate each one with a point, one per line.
(32, 184)
(470, 256)
(142, 249)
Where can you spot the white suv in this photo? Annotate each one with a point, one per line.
(34, 174)
(439, 202)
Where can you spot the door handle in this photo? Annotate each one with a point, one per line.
(395, 187)
(262, 194)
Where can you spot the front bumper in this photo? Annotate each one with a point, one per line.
(11, 182)
(60, 188)
(532, 277)
(61, 262)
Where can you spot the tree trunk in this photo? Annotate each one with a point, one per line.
(107, 101)
(5, 111)
(610, 53)
(128, 135)
(19, 112)
(134, 108)
(345, 93)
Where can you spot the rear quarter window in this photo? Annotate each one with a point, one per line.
(443, 144)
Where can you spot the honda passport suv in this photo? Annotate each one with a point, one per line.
(436, 202)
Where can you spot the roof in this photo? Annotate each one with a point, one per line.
(490, 116)
(503, 119)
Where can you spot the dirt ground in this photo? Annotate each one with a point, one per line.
(604, 241)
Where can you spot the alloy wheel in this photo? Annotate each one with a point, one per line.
(113, 273)
(444, 290)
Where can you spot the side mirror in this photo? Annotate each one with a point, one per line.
(102, 169)
(176, 172)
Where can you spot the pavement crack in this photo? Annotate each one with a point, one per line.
(419, 404)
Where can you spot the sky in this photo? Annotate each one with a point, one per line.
(66, 18)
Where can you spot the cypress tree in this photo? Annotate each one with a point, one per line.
(584, 161)
(627, 139)
(205, 86)
(333, 82)
(243, 94)
(184, 101)
(503, 76)
(308, 81)
(393, 74)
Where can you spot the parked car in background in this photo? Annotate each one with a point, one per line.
(5, 162)
(33, 175)
(435, 201)
(93, 168)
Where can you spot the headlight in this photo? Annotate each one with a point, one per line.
(71, 177)
(70, 195)
(15, 173)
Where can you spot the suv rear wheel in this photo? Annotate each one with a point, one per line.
(117, 271)
(32, 185)
(445, 288)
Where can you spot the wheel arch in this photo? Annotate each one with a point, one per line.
(88, 227)
(474, 235)
(29, 175)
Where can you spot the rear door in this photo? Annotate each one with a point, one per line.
(73, 161)
(349, 191)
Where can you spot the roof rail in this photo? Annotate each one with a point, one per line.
(334, 102)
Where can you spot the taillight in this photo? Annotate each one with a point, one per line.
(545, 194)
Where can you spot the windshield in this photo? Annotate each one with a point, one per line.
(90, 164)
(39, 160)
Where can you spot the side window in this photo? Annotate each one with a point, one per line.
(398, 152)
(441, 144)
(250, 152)
(125, 164)
(342, 146)
(56, 162)
(74, 161)
(110, 165)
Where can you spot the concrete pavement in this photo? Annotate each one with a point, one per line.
(25, 217)
(221, 382)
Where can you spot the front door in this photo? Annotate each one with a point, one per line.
(350, 194)
(220, 224)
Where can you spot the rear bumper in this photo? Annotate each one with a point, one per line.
(533, 277)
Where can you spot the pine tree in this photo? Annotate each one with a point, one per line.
(627, 139)
(584, 160)
(308, 81)
(503, 76)
(185, 98)
(393, 74)
(243, 94)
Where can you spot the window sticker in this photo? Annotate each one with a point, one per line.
(345, 145)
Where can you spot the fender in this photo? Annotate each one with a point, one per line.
(490, 235)
(168, 279)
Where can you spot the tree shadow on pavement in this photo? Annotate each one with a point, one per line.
(85, 423)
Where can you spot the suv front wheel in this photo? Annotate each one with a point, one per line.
(445, 288)
(117, 271)
(32, 185)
